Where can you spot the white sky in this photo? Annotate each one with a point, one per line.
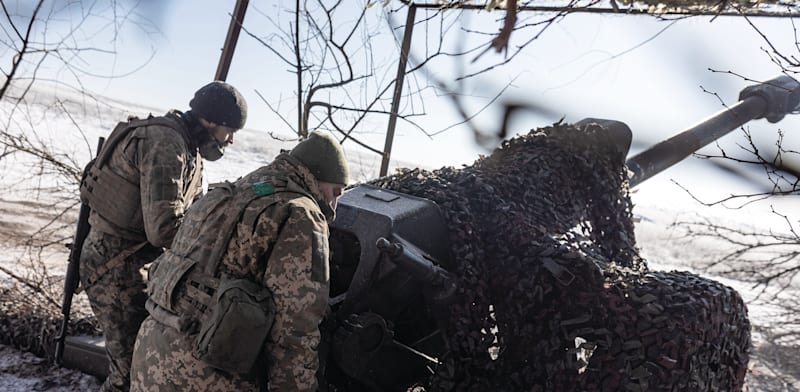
(614, 67)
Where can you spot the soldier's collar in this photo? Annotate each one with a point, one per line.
(309, 184)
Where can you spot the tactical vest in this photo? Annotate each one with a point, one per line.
(187, 290)
(100, 182)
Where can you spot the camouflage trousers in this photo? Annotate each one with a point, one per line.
(163, 362)
(117, 300)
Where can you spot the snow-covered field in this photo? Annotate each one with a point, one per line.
(774, 362)
(775, 358)
(28, 201)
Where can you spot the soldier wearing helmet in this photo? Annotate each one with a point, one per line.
(235, 304)
(145, 177)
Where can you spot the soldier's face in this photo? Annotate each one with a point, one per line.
(222, 134)
(331, 193)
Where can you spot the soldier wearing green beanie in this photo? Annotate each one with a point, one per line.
(321, 154)
(277, 252)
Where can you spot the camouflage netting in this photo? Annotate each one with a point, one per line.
(707, 5)
(543, 246)
(31, 324)
(655, 7)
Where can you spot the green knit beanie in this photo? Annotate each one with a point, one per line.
(324, 157)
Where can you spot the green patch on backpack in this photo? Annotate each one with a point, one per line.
(263, 188)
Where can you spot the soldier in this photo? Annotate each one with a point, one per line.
(236, 303)
(145, 177)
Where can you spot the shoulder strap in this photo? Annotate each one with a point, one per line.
(241, 198)
(197, 176)
(114, 262)
(123, 129)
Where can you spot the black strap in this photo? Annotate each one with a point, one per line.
(108, 265)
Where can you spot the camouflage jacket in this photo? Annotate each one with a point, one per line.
(165, 166)
(280, 242)
(287, 251)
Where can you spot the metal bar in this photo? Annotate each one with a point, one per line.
(87, 354)
(398, 88)
(411, 261)
(302, 111)
(671, 151)
(230, 40)
(605, 10)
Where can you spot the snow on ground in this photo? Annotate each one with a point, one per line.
(774, 359)
(22, 371)
(23, 210)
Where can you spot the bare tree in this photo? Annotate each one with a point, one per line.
(344, 63)
(48, 49)
(521, 23)
(767, 257)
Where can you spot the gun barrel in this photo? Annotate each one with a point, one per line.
(440, 284)
(416, 264)
(771, 100)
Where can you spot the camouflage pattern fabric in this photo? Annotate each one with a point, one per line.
(285, 249)
(168, 171)
(117, 300)
(167, 357)
(163, 164)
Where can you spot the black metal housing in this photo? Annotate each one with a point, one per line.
(386, 335)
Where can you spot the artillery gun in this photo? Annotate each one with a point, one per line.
(399, 282)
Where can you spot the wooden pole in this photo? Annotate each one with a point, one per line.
(398, 88)
(230, 40)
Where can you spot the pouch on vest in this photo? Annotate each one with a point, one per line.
(232, 337)
(163, 285)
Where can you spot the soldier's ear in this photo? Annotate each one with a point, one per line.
(206, 124)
